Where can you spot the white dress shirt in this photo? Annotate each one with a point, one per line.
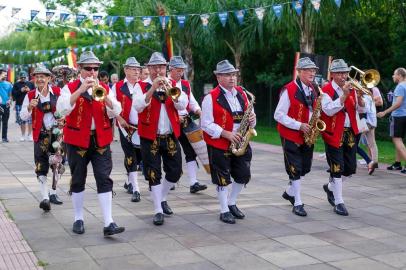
(193, 105)
(64, 107)
(133, 119)
(281, 112)
(49, 119)
(164, 124)
(207, 119)
(331, 107)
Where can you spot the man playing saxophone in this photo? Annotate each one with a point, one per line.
(340, 106)
(296, 104)
(222, 111)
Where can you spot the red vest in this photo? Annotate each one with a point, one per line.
(186, 89)
(37, 114)
(223, 118)
(125, 100)
(298, 111)
(79, 121)
(335, 124)
(149, 117)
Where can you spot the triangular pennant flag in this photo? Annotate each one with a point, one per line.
(181, 20)
(97, 32)
(129, 40)
(80, 18)
(129, 35)
(63, 16)
(205, 19)
(145, 35)
(260, 12)
(105, 45)
(113, 44)
(146, 21)
(239, 14)
(128, 20)
(34, 14)
(121, 43)
(51, 52)
(277, 9)
(137, 37)
(97, 19)
(114, 33)
(14, 11)
(2, 7)
(316, 5)
(59, 51)
(223, 18)
(338, 3)
(163, 20)
(49, 15)
(113, 20)
(297, 5)
(98, 46)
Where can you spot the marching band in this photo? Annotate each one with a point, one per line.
(156, 114)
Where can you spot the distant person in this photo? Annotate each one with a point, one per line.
(398, 114)
(20, 90)
(5, 97)
(104, 77)
(144, 73)
(113, 79)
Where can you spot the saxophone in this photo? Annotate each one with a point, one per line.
(316, 124)
(244, 130)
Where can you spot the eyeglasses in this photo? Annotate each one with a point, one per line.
(90, 68)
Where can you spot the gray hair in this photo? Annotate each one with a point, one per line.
(114, 75)
(401, 72)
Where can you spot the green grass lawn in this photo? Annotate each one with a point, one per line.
(270, 135)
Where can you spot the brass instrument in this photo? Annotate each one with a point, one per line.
(316, 124)
(98, 92)
(169, 90)
(244, 130)
(366, 79)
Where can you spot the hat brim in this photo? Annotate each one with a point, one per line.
(157, 64)
(308, 67)
(132, 66)
(45, 73)
(340, 70)
(175, 66)
(226, 71)
(89, 61)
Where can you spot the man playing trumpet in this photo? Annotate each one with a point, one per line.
(157, 104)
(40, 105)
(87, 135)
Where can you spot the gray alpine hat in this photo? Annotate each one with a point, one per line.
(177, 62)
(156, 59)
(305, 63)
(339, 65)
(42, 70)
(88, 57)
(132, 62)
(224, 67)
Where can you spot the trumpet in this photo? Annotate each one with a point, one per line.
(169, 90)
(366, 80)
(98, 92)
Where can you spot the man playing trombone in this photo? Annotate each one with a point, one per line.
(40, 104)
(340, 107)
(157, 103)
(88, 105)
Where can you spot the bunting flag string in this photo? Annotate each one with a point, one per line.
(57, 60)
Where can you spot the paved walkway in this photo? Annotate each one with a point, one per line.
(373, 236)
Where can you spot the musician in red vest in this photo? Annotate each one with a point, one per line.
(176, 70)
(222, 111)
(340, 106)
(87, 135)
(159, 129)
(294, 110)
(127, 123)
(40, 105)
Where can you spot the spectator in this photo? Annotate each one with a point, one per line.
(370, 106)
(144, 73)
(20, 89)
(113, 79)
(398, 115)
(5, 96)
(104, 77)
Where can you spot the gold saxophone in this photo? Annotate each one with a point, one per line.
(244, 130)
(316, 124)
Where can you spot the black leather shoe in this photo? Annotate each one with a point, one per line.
(236, 212)
(158, 219)
(330, 194)
(287, 197)
(53, 198)
(340, 209)
(197, 187)
(78, 227)
(130, 189)
(125, 186)
(112, 229)
(45, 205)
(173, 188)
(165, 207)
(403, 171)
(136, 197)
(395, 167)
(227, 217)
(299, 210)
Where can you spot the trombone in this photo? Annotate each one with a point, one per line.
(168, 89)
(366, 80)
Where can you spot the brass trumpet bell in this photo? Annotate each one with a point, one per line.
(99, 93)
(173, 92)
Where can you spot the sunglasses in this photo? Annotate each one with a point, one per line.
(90, 68)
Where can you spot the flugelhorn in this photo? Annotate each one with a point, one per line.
(98, 92)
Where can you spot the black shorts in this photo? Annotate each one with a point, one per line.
(398, 127)
(298, 159)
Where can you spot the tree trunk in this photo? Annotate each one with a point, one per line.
(306, 31)
(116, 66)
(237, 60)
(189, 61)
